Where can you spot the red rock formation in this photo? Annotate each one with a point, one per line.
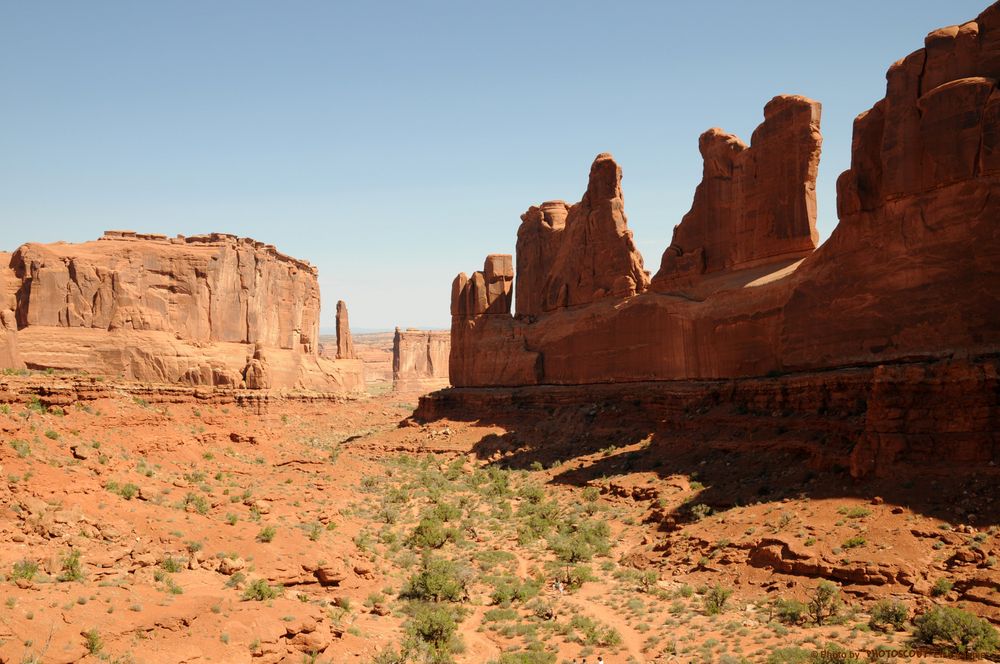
(755, 204)
(911, 273)
(420, 360)
(596, 256)
(538, 240)
(484, 346)
(203, 310)
(345, 345)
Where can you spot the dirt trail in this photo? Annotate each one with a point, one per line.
(585, 601)
(479, 647)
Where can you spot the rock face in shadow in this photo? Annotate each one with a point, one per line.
(206, 310)
(420, 360)
(911, 274)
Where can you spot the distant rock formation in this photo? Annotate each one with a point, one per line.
(910, 274)
(420, 360)
(345, 345)
(212, 310)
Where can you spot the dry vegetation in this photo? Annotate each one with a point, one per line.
(186, 532)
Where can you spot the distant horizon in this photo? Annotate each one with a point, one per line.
(395, 149)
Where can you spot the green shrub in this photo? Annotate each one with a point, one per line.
(25, 569)
(578, 575)
(266, 534)
(71, 568)
(172, 565)
(956, 631)
(581, 542)
(431, 533)
(941, 587)
(532, 493)
(715, 599)
(435, 628)
(699, 511)
(259, 591)
(94, 643)
(789, 656)
(526, 657)
(594, 633)
(446, 512)
(790, 611)
(888, 613)
(499, 615)
(824, 602)
(509, 589)
(438, 579)
(128, 491)
(856, 512)
(854, 542)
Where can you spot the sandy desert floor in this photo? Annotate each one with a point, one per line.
(339, 531)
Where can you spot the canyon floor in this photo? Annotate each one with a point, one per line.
(136, 529)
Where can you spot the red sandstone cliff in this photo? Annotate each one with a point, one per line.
(203, 310)
(912, 270)
(755, 204)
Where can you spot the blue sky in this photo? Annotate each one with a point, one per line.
(395, 144)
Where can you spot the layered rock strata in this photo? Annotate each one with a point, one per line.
(910, 274)
(205, 310)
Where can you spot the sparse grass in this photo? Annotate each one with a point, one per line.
(24, 569)
(266, 534)
(941, 587)
(715, 599)
(93, 641)
(72, 569)
(260, 591)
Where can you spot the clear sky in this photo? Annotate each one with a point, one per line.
(395, 144)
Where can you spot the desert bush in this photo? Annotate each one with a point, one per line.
(579, 542)
(941, 587)
(699, 511)
(509, 589)
(790, 611)
(789, 656)
(824, 602)
(715, 599)
(444, 511)
(956, 631)
(171, 564)
(438, 579)
(431, 533)
(433, 629)
(526, 657)
(24, 569)
(888, 613)
(94, 642)
(260, 590)
(72, 570)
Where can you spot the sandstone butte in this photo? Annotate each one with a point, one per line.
(209, 310)
(420, 359)
(907, 287)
